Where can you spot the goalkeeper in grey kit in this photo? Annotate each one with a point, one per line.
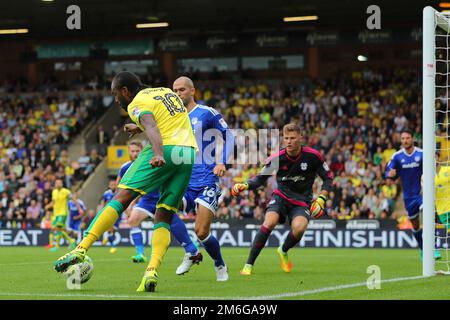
(296, 171)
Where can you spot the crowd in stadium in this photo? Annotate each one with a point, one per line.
(353, 119)
(34, 134)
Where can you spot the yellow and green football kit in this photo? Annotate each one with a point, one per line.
(178, 143)
(442, 182)
(171, 179)
(60, 199)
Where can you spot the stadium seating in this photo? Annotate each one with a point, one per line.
(35, 132)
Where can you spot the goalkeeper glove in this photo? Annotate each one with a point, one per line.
(237, 188)
(318, 206)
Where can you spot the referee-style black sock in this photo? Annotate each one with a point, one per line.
(258, 244)
(291, 240)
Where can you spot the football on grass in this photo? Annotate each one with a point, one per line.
(80, 272)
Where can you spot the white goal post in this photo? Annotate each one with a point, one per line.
(436, 86)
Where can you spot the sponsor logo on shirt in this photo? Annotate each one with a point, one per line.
(295, 179)
(411, 165)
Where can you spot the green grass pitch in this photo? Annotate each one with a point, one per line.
(27, 273)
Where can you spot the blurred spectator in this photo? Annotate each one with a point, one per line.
(35, 130)
(102, 140)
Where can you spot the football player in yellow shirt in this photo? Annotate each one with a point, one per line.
(442, 182)
(165, 164)
(60, 205)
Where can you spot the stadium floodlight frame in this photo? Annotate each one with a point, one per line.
(431, 20)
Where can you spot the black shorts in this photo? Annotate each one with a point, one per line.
(286, 209)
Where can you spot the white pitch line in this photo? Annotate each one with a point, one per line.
(328, 289)
(156, 296)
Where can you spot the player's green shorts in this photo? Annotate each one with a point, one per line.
(171, 179)
(59, 221)
(445, 220)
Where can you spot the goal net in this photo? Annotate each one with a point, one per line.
(436, 141)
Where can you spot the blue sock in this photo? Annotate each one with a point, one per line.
(111, 238)
(212, 246)
(179, 231)
(418, 235)
(136, 234)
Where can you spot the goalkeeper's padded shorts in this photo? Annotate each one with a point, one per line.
(287, 210)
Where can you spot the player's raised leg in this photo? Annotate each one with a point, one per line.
(270, 221)
(104, 220)
(298, 228)
(192, 253)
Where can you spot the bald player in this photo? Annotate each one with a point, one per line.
(204, 190)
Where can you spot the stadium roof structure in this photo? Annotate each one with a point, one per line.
(47, 18)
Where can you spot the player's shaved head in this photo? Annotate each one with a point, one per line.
(184, 88)
(185, 80)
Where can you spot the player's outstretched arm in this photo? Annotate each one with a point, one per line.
(132, 129)
(151, 130)
(254, 183)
